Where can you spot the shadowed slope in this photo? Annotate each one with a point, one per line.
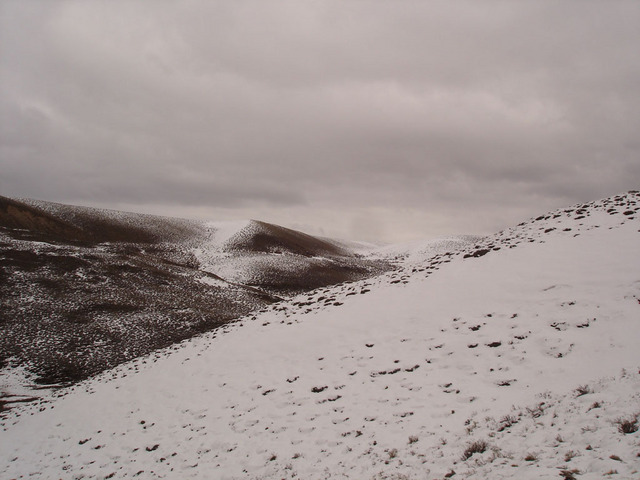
(28, 221)
(69, 223)
(268, 238)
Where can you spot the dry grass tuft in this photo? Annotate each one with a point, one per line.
(479, 446)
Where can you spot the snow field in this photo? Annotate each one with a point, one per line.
(531, 351)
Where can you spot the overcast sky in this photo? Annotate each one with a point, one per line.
(371, 120)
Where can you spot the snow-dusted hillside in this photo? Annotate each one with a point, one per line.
(85, 289)
(515, 358)
(279, 260)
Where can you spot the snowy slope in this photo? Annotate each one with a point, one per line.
(85, 289)
(525, 343)
(421, 251)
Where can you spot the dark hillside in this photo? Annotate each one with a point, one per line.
(74, 224)
(73, 311)
(268, 238)
(27, 222)
(85, 289)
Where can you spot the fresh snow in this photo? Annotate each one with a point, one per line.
(217, 236)
(420, 251)
(222, 232)
(213, 257)
(526, 341)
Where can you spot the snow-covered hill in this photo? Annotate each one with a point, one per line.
(279, 260)
(514, 358)
(85, 289)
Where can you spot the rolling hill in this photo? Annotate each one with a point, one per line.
(514, 356)
(86, 289)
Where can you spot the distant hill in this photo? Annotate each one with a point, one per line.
(280, 260)
(268, 238)
(74, 224)
(513, 355)
(85, 289)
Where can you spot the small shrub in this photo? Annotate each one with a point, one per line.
(413, 439)
(583, 390)
(393, 453)
(273, 457)
(627, 426)
(530, 457)
(569, 455)
(479, 446)
(569, 474)
(507, 421)
(536, 411)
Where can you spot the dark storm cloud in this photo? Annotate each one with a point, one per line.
(420, 117)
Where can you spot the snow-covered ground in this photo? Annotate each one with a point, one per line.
(212, 255)
(221, 232)
(420, 251)
(514, 358)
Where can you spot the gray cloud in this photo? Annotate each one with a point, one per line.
(420, 120)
